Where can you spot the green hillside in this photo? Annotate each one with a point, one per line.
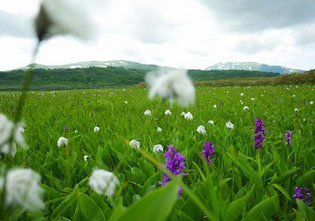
(98, 77)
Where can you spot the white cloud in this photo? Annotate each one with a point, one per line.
(176, 33)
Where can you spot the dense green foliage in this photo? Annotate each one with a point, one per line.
(96, 77)
(238, 184)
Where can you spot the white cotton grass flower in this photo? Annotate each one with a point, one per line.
(241, 102)
(147, 113)
(168, 113)
(183, 113)
(158, 148)
(311, 102)
(296, 110)
(229, 125)
(62, 142)
(6, 128)
(171, 85)
(135, 144)
(211, 122)
(245, 108)
(252, 99)
(188, 116)
(201, 130)
(126, 102)
(8, 149)
(96, 129)
(241, 94)
(62, 17)
(159, 129)
(103, 182)
(22, 188)
(76, 131)
(86, 158)
(215, 106)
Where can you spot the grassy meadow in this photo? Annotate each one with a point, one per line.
(241, 183)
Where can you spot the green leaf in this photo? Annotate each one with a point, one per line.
(87, 209)
(237, 207)
(306, 178)
(264, 210)
(284, 176)
(118, 211)
(154, 206)
(283, 191)
(65, 204)
(306, 211)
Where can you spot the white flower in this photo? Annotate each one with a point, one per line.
(241, 102)
(8, 149)
(22, 188)
(293, 95)
(135, 144)
(241, 94)
(201, 129)
(126, 102)
(188, 116)
(296, 110)
(168, 113)
(159, 129)
(86, 158)
(171, 84)
(147, 113)
(6, 128)
(311, 102)
(62, 141)
(214, 106)
(229, 125)
(252, 99)
(287, 88)
(76, 131)
(62, 17)
(96, 129)
(304, 119)
(183, 113)
(103, 182)
(245, 108)
(158, 148)
(211, 122)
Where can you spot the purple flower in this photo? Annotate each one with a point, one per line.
(175, 163)
(208, 151)
(303, 194)
(288, 136)
(260, 133)
(65, 128)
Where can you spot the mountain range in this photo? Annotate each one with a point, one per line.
(248, 66)
(253, 66)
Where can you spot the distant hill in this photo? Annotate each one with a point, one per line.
(253, 66)
(85, 76)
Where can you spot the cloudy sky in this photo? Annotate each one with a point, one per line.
(177, 33)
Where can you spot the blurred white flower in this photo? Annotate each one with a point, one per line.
(214, 106)
(126, 102)
(304, 119)
(211, 122)
(168, 113)
(241, 102)
(8, 149)
(158, 148)
(293, 95)
(229, 125)
(6, 128)
(135, 144)
(252, 99)
(86, 158)
(22, 188)
(103, 182)
(62, 17)
(311, 102)
(96, 129)
(159, 129)
(245, 108)
(62, 141)
(287, 88)
(296, 110)
(147, 113)
(241, 94)
(201, 129)
(171, 84)
(188, 116)
(183, 113)
(76, 131)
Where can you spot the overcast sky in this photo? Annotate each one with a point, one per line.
(177, 33)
